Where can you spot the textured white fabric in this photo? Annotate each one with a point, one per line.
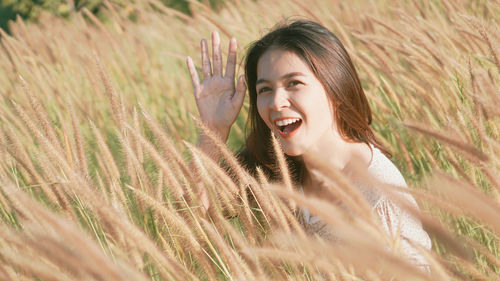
(393, 218)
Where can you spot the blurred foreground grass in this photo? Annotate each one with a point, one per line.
(94, 117)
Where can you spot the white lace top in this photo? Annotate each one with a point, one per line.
(393, 218)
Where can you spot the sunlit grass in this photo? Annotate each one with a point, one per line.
(95, 175)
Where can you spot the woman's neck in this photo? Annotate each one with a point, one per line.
(340, 157)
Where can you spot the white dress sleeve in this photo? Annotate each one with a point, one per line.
(398, 223)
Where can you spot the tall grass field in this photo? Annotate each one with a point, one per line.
(100, 175)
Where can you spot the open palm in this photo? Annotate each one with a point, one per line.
(217, 98)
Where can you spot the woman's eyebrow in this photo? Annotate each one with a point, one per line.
(286, 76)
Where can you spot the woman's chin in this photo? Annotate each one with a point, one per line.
(292, 151)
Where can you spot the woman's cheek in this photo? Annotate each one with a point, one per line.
(261, 110)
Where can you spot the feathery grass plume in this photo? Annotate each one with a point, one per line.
(438, 266)
(15, 149)
(174, 221)
(169, 249)
(178, 224)
(30, 268)
(481, 28)
(158, 195)
(7, 273)
(283, 167)
(238, 240)
(131, 167)
(343, 189)
(115, 15)
(430, 83)
(222, 185)
(143, 179)
(82, 159)
(200, 170)
(20, 209)
(167, 146)
(471, 272)
(69, 151)
(77, 182)
(476, 120)
(4, 203)
(274, 209)
(311, 14)
(381, 58)
(242, 176)
(116, 106)
(490, 257)
(208, 266)
(105, 173)
(380, 22)
(175, 186)
(167, 267)
(234, 263)
(258, 195)
(4, 154)
(52, 177)
(109, 161)
(490, 175)
(319, 207)
(454, 243)
(406, 155)
(62, 231)
(229, 184)
(227, 156)
(368, 64)
(98, 23)
(42, 116)
(470, 151)
(469, 199)
(45, 142)
(292, 219)
(225, 202)
(205, 13)
(10, 50)
(247, 216)
(137, 144)
(376, 256)
(280, 259)
(52, 153)
(50, 248)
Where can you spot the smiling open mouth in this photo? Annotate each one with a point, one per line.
(288, 127)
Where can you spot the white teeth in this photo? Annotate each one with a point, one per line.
(285, 122)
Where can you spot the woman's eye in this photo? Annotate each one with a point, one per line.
(262, 90)
(293, 83)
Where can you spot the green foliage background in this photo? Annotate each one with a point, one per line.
(31, 9)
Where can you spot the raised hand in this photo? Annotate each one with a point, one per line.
(217, 98)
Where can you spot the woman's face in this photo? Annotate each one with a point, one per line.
(292, 101)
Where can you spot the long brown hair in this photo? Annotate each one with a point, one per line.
(327, 58)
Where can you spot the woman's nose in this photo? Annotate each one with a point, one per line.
(279, 99)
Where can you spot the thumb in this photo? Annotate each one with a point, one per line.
(241, 88)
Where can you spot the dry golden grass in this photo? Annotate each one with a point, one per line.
(96, 134)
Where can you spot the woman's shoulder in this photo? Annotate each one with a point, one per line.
(384, 170)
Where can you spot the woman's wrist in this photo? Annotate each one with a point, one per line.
(207, 145)
(222, 132)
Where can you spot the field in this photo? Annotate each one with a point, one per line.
(99, 171)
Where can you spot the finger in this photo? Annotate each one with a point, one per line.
(206, 67)
(241, 88)
(231, 59)
(194, 76)
(216, 54)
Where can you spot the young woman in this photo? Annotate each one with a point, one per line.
(304, 89)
